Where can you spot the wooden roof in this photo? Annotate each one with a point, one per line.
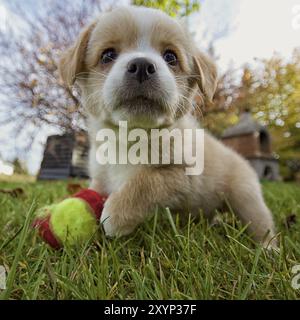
(246, 125)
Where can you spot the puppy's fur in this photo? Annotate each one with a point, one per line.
(109, 96)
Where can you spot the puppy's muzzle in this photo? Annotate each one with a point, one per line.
(140, 70)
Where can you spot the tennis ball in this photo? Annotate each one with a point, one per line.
(71, 221)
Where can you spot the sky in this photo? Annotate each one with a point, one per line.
(260, 28)
(244, 29)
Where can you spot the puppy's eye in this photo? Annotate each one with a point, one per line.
(108, 55)
(170, 57)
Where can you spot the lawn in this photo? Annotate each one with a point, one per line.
(164, 259)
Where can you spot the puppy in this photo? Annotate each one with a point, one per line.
(138, 65)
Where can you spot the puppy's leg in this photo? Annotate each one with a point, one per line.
(138, 198)
(247, 202)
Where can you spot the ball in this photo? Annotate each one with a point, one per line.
(72, 221)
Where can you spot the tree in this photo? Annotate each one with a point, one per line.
(273, 95)
(172, 7)
(32, 96)
(271, 91)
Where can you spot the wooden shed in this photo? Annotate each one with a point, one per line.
(253, 141)
(65, 156)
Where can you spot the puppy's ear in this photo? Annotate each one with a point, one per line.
(72, 60)
(206, 72)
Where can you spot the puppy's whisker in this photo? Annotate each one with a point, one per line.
(188, 76)
(98, 73)
(93, 85)
(92, 96)
(88, 73)
(89, 78)
(182, 108)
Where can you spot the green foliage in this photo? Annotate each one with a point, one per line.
(271, 91)
(172, 7)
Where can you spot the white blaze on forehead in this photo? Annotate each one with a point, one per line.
(146, 19)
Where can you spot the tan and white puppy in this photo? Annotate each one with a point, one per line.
(139, 65)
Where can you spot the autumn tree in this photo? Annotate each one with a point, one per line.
(174, 8)
(31, 93)
(270, 89)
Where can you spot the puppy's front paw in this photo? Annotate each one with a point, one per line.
(106, 221)
(271, 245)
(114, 220)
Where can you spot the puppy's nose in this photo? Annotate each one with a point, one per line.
(141, 69)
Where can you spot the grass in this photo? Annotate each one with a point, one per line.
(164, 259)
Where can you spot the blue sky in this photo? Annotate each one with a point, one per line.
(255, 29)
